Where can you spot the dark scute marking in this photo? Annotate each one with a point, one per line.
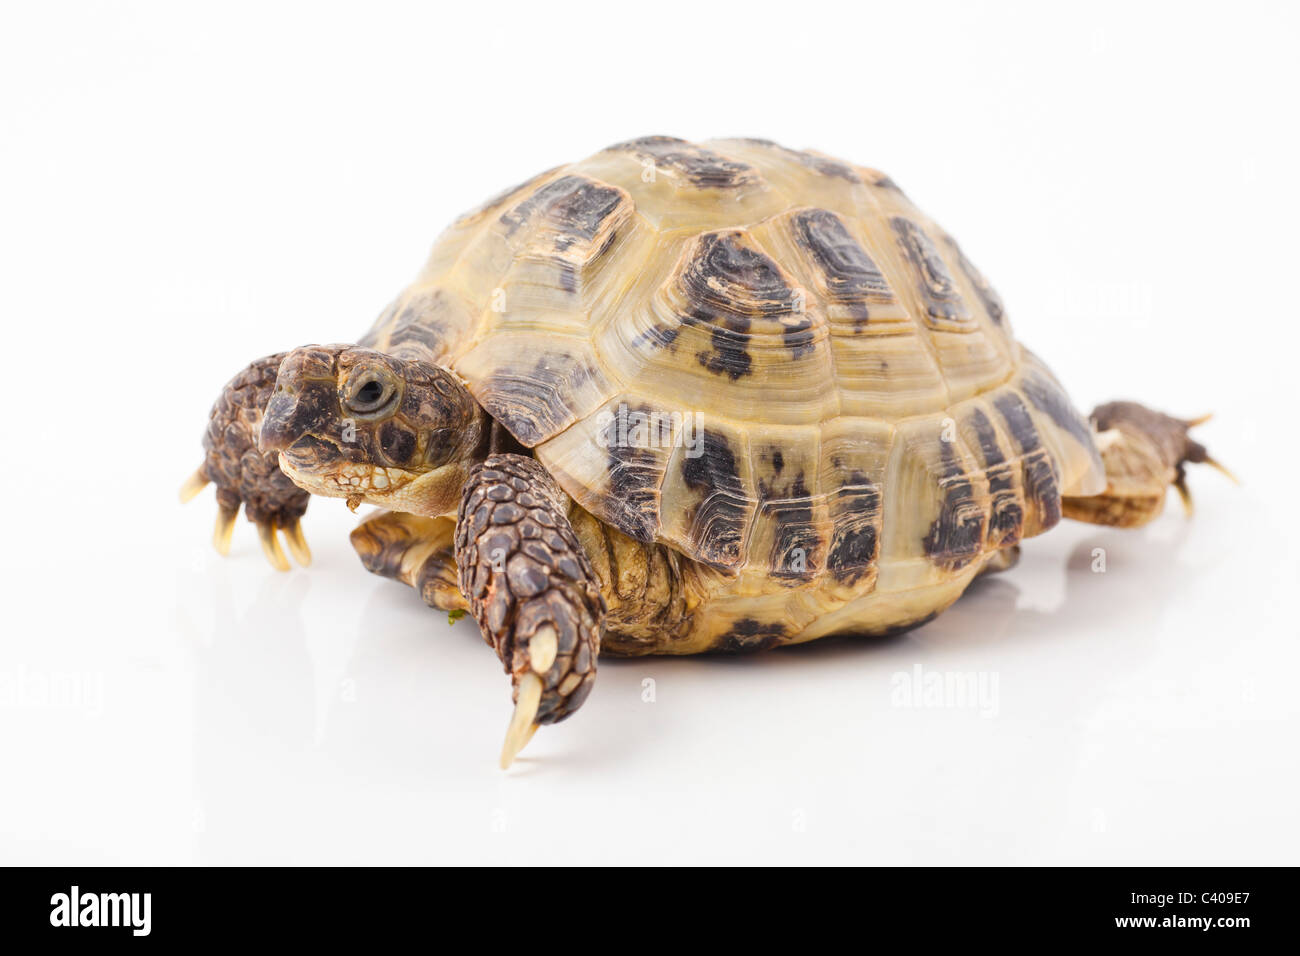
(727, 286)
(701, 167)
(419, 334)
(398, 443)
(574, 211)
(823, 165)
(892, 631)
(635, 474)
(852, 277)
(957, 536)
(828, 167)
(991, 301)
(415, 325)
(1017, 419)
(796, 546)
(658, 336)
(990, 450)
(1042, 489)
(934, 281)
(748, 634)
(1049, 399)
(1039, 472)
(730, 347)
(720, 517)
(799, 337)
(1006, 521)
(854, 542)
(532, 402)
(575, 207)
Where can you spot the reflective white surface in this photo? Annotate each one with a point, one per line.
(169, 218)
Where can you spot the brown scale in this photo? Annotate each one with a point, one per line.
(243, 474)
(529, 582)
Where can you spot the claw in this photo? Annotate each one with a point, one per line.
(1202, 458)
(297, 543)
(271, 546)
(1222, 469)
(221, 534)
(522, 724)
(193, 484)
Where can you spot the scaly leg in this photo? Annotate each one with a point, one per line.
(531, 588)
(244, 474)
(420, 552)
(1144, 453)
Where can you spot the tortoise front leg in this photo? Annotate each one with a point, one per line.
(244, 474)
(531, 588)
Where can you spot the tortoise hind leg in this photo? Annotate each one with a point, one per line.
(419, 552)
(1144, 453)
(531, 588)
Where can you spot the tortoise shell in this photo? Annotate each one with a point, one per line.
(767, 359)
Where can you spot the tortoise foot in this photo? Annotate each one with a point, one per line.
(1144, 453)
(531, 588)
(244, 475)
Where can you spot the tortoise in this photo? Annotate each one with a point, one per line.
(680, 398)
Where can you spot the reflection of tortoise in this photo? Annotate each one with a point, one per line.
(680, 398)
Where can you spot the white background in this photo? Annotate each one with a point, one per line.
(185, 189)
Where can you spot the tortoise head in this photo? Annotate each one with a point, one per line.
(353, 423)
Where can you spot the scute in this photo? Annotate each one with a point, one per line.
(766, 358)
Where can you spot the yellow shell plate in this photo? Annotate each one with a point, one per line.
(767, 359)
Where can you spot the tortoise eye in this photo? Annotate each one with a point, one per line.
(368, 393)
